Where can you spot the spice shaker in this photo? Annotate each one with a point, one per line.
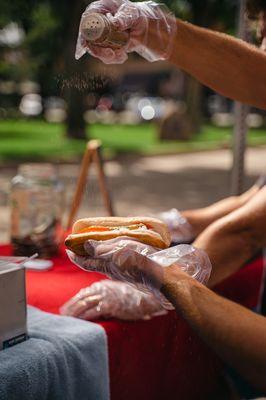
(97, 29)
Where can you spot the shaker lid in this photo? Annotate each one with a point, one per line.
(94, 27)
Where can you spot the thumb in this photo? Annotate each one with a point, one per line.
(126, 17)
(92, 314)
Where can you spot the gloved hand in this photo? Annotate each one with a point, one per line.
(151, 27)
(103, 256)
(133, 262)
(110, 299)
(180, 229)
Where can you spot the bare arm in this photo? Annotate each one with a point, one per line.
(228, 65)
(236, 334)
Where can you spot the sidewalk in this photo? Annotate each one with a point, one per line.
(144, 185)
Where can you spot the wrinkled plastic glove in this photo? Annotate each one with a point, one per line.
(180, 229)
(151, 27)
(110, 299)
(143, 266)
(102, 257)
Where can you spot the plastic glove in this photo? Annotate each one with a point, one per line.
(102, 256)
(180, 229)
(141, 265)
(109, 299)
(151, 27)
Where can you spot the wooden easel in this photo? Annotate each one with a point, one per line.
(92, 154)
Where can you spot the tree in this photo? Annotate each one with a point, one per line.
(73, 94)
(51, 31)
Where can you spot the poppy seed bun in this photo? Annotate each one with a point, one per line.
(156, 234)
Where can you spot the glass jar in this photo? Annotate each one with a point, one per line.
(37, 202)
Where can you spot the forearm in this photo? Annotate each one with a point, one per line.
(229, 66)
(236, 334)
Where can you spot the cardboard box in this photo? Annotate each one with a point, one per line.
(13, 313)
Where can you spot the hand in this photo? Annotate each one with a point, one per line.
(180, 229)
(123, 259)
(109, 299)
(130, 261)
(151, 27)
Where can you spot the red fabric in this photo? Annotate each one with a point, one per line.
(159, 359)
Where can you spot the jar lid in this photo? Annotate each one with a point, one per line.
(38, 170)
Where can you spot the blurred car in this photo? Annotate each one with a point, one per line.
(55, 109)
(31, 105)
(149, 108)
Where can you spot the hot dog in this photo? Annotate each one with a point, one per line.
(150, 231)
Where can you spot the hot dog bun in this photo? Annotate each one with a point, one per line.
(147, 230)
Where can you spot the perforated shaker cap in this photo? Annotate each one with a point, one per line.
(94, 27)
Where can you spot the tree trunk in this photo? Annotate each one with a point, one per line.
(194, 94)
(194, 89)
(74, 95)
(75, 123)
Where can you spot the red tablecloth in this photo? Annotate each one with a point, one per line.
(151, 360)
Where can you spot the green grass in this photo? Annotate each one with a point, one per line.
(37, 140)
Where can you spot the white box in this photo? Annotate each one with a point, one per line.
(13, 313)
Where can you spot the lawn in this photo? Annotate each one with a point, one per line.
(39, 140)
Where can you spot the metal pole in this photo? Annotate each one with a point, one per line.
(240, 126)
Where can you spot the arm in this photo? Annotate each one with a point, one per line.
(236, 334)
(227, 65)
(230, 66)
